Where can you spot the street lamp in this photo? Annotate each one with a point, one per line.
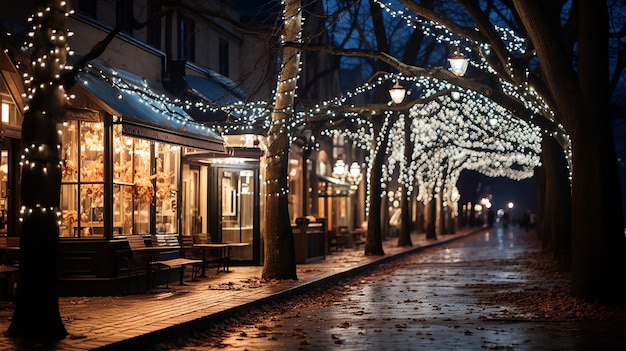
(458, 63)
(354, 176)
(397, 93)
(339, 169)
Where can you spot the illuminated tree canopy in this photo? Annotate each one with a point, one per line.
(449, 136)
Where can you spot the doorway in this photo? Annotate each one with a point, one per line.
(236, 216)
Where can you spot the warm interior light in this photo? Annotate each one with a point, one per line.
(5, 112)
(397, 93)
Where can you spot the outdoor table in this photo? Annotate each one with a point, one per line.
(204, 248)
(224, 252)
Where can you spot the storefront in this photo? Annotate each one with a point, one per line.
(222, 196)
(10, 134)
(123, 150)
(134, 164)
(229, 202)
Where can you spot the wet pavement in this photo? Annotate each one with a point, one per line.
(135, 322)
(449, 298)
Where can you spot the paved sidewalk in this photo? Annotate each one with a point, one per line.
(135, 321)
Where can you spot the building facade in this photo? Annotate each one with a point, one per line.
(136, 160)
(141, 153)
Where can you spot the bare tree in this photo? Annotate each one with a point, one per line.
(280, 262)
(36, 315)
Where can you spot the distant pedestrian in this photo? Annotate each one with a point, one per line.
(505, 220)
(490, 218)
(525, 221)
(528, 220)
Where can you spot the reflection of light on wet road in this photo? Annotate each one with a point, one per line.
(451, 256)
(436, 300)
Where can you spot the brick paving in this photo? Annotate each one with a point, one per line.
(139, 320)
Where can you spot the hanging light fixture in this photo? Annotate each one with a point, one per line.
(354, 176)
(458, 63)
(339, 169)
(397, 93)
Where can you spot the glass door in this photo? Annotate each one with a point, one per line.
(236, 206)
(192, 219)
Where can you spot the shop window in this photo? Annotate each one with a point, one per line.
(123, 170)
(143, 188)
(9, 115)
(167, 169)
(137, 189)
(82, 188)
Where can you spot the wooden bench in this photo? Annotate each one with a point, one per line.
(165, 256)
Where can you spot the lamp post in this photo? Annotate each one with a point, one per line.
(354, 176)
(339, 169)
(397, 93)
(458, 63)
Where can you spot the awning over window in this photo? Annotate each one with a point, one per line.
(145, 111)
(214, 90)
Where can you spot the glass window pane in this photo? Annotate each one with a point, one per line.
(143, 190)
(167, 170)
(70, 151)
(69, 210)
(122, 209)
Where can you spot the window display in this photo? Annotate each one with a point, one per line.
(136, 188)
(167, 170)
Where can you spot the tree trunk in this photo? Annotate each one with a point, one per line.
(441, 216)
(421, 217)
(374, 240)
(36, 315)
(598, 242)
(558, 201)
(430, 218)
(540, 193)
(451, 222)
(280, 261)
(582, 104)
(404, 238)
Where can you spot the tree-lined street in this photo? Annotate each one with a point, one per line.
(536, 96)
(494, 290)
